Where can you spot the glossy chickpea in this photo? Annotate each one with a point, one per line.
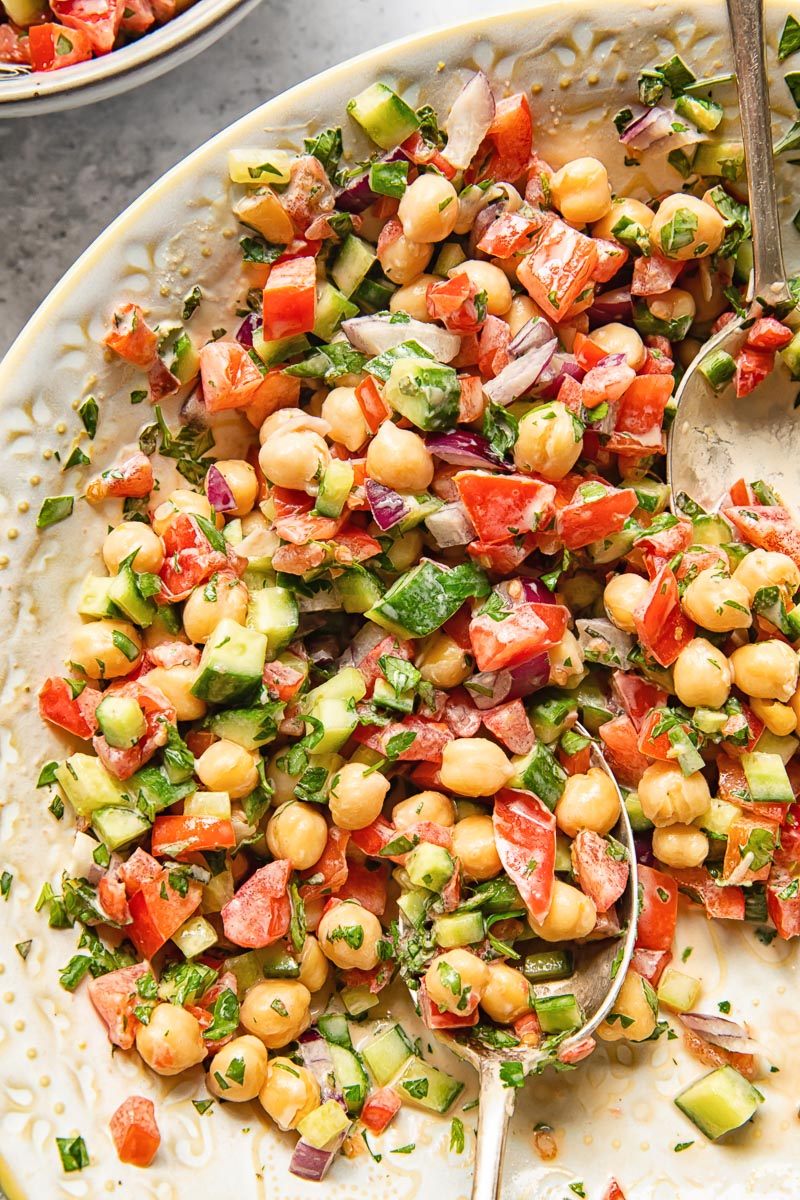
(718, 602)
(243, 482)
(580, 591)
(616, 338)
(486, 278)
(239, 1070)
(581, 191)
(623, 208)
(425, 806)
(402, 260)
(341, 410)
(289, 1094)
(224, 596)
(549, 443)
(356, 796)
(633, 1004)
(299, 832)
(507, 995)
(106, 649)
(172, 1041)
(680, 846)
(348, 935)
(475, 848)
(314, 967)
(521, 310)
(183, 500)
(685, 227)
(296, 459)
(668, 797)
(702, 675)
(766, 670)
(589, 801)
(428, 209)
(474, 767)
(622, 596)
(779, 719)
(176, 683)
(766, 568)
(674, 305)
(442, 662)
(276, 1011)
(412, 299)
(454, 975)
(399, 459)
(227, 767)
(566, 661)
(572, 915)
(133, 536)
(291, 420)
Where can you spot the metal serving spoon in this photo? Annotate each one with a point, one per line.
(595, 984)
(716, 438)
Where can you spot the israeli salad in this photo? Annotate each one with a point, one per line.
(332, 685)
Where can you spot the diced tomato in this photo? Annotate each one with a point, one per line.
(613, 1191)
(372, 838)
(601, 877)
(508, 234)
(742, 494)
(132, 477)
(99, 20)
(113, 897)
(661, 625)
(158, 714)
(770, 527)
(367, 885)
(695, 561)
(506, 150)
(726, 903)
(636, 695)
(158, 910)
(461, 713)
(582, 522)
(374, 408)
(525, 833)
(654, 275)
(510, 725)
(660, 548)
(767, 333)
(452, 301)
(369, 664)
(379, 1108)
(559, 268)
(137, 16)
(576, 1052)
(434, 1017)
(259, 912)
(622, 750)
(354, 545)
(501, 558)
(296, 560)
(308, 527)
(421, 152)
(641, 411)
(135, 1132)
(577, 763)
(658, 914)
(138, 869)
(290, 299)
(54, 46)
(657, 363)
(650, 964)
(14, 45)
(655, 745)
(587, 352)
(569, 394)
(429, 742)
(611, 258)
(607, 381)
(282, 680)
(332, 865)
(752, 368)
(229, 377)
(75, 714)
(275, 391)
(505, 506)
(732, 786)
(114, 997)
(471, 402)
(528, 629)
(741, 830)
(783, 903)
(189, 559)
(177, 836)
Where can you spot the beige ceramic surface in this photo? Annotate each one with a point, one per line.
(57, 1076)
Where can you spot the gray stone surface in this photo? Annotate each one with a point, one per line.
(64, 177)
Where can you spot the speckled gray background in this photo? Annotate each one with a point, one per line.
(64, 177)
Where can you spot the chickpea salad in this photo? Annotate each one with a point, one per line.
(338, 692)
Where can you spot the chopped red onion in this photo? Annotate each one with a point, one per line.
(324, 600)
(308, 1162)
(535, 592)
(463, 448)
(219, 491)
(317, 1059)
(529, 677)
(469, 121)
(388, 507)
(483, 219)
(613, 305)
(520, 375)
(368, 637)
(719, 1031)
(450, 526)
(534, 333)
(655, 128)
(602, 642)
(488, 688)
(374, 334)
(194, 412)
(244, 334)
(551, 378)
(357, 195)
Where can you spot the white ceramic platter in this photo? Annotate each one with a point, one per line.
(612, 1116)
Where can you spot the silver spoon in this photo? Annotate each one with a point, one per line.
(717, 439)
(595, 983)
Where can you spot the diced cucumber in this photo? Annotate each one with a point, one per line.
(339, 721)
(557, 1014)
(232, 664)
(255, 165)
(545, 966)
(563, 861)
(678, 990)
(123, 591)
(248, 727)
(710, 529)
(195, 936)
(459, 929)
(450, 255)
(118, 827)
(736, 552)
(648, 324)
(332, 309)
(121, 721)
(358, 1000)
(705, 114)
(233, 532)
(323, 1124)
(592, 704)
(358, 589)
(767, 779)
(709, 720)
(719, 1102)
(772, 743)
(374, 295)
(791, 356)
(352, 264)
(427, 1086)
(387, 1054)
(722, 157)
(95, 600)
(418, 509)
(89, 786)
(383, 693)
(186, 363)
(217, 892)
(539, 771)
(633, 806)
(422, 599)
(610, 548)
(347, 684)
(280, 350)
(208, 804)
(334, 488)
(652, 494)
(383, 116)
(424, 392)
(550, 716)
(335, 1028)
(414, 906)
(468, 808)
(718, 817)
(273, 612)
(430, 866)
(684, 751)
(351, 1078)
(25, 12)
(273, 962)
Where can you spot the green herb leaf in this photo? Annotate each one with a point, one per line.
(512, 1074)
(400, 742)
(76, 459)
(327, 148)
(389, 178)
(225, 1017)
(500, 428)
(351, 935)
(790, 38)
(259, 250)
(191, 303)
(88, 413)
(73, 1153)
(457, 1135)
(53, 510)
(202, 1106)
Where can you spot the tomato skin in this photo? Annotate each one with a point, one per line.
(135, 1132)
(177, 836)
(752, 368)
(229, 377)
(283, 680)
(613, 1191)
(189, 559)
(726, 903)
(428, 745)
(783, 911)
(508, 234)
(367, 887)
(733, 787)
(661, 625)
(507, 143)
(657, 746)
(379, 1109)
(98, 20)
(641, 411)
(659, 912)
(767, 333)
(510, 725)
(373, 407)
(420, 152)
(611, 258)
(525, 833)
(158, 910)
(15, 45)
(607, 381)
(332, 865)
(528, 629)
(501, 558)
(576, 764)
(558, 269)
(660, 548)
(138, 869)
(601, 877)
(43, 40)
(259, 912)
(651, 964)
(114, 997)
(57, 705)
(637, 696)
(622, 750)
(435, 1018)
(131, 337)
(290, 298)
(582, 522)
(770, 527)
(502, 507)
(452, 301)
(307, 527)
(654, 275)
(740, 830)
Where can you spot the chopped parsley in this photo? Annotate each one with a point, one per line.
(512, 1074)
(73, 1153)
(53, 510)
(457, 1135)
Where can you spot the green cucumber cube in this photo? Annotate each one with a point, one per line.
(352, 264)
(323, 1124)
(709, 720)
(273, 612)
(767, 779)
(459, 929)
(421, 600)
(232, 664)
(678, 990)
(383, 116)
(280, 350)
(539, 771)
(558, 1014)
(272, 962)
(772, 743)
(334, 488)
(719, 1102)
(430, 866)
(387, 1054)
(351, 1078)
(332, 309)
(723, 157)
(248, 727)
(335, 1027)
(718, 817)
(358, 1000)
(195, 936)
(95, 600)
(426, 1086)
(89, 786)
(710, 529)
(551, 717)
(414, 905)
(451, 254)
(123, 591)
(121, 721)
(358, 589)
(424, 392)
(633, 806)
(119, 827)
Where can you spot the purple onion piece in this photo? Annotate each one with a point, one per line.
(613, 305)
(194, 412)
(463, 448)
(529, 677)
(244, 334)
(357, 195)
(654, 125)
(534, 334)
(367, 638)
(535, 592)
(719, 1031)
(308, 1162)
(468, 121)
(388, 507)
(644, 849)
(375, 334)
(483, 219)
(520, 375)
(489, 688)
(218, 491)
(550, 380)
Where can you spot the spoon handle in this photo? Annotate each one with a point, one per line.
(494, 1114)
(747, 30)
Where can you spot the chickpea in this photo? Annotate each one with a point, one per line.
(348, 935)
(243, 482)
(453, 974)
(622, 596)
(507, 995)
(633, 1003)
(474, 767)
(182, 500)
(766, 670)
(616, 338)
(239, 1070)
(412, 299)
(290, 1093)
(172, 1041)
(402, 260)
(521, 310)
(405, 550)
(425, 806)
(581, 191)
(668, 797)
(314, 966)
(356, 796)
(549, 442)
(428, 209)
(674, 305)
(255, 522)
(130, 536)
(794, 705)
(766, 568)
(778, 718)
(276, 1011)
(442, 662)
(707, 290)
(581, 591)
(680, 845)
(702, 675)
(96, 652)
(228, 767)
(717, 602)
(299, 832)
(291, 420)
(685, 227)
(622, 207)
(294, 459)
(475, 848)
(343, 413)
(399, 459)
(589, 801)
(224, 596)
(566, 661)
(572, 915)
(176, 682)
(489, 279)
